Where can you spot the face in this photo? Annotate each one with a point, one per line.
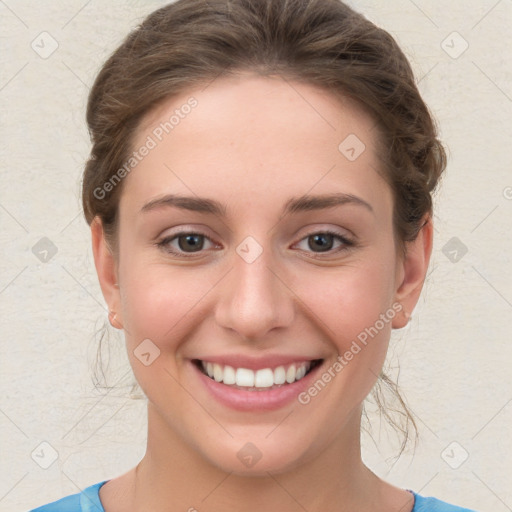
(256, 244)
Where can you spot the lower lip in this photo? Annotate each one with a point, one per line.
(269, 400)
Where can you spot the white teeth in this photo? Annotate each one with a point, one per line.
(300, 373)
(279, 375)
(290, 374)
(263, 378)
(229, 375)
(217, 372)
(244, 377)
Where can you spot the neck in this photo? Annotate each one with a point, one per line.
(173, 476)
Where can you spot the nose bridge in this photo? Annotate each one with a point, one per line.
(253, 299)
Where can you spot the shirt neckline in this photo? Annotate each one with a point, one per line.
(414, 495)
(90, 498)
(90, 501)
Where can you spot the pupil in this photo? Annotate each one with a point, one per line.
(191, 240)
(323, 241)
(320, 240)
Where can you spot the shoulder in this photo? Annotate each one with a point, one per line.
(427, 504)
(87, 500)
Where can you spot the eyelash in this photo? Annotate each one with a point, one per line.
(164, 244)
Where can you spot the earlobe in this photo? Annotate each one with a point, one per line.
(112, 318)
(413, 272)
(106, 268)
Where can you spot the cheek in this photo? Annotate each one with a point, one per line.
(351, 300)
(355, 310)
(161, 302)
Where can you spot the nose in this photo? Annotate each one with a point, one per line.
(254, 298)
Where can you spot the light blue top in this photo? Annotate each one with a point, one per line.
(89, 501)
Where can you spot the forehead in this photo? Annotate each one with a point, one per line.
(243, 137)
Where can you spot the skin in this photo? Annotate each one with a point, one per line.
(252, 143)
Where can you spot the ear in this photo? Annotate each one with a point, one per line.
(106, 268)
(412, 271)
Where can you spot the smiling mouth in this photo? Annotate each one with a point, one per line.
(263, 379)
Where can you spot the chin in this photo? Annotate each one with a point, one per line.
(259, 457)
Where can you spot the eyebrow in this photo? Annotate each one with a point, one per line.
(293, 205)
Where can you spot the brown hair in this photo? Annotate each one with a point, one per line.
(325, 43)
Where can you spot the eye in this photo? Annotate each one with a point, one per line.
(324, 241)
(184, 242)
(187, 243)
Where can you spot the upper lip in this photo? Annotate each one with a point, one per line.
(256, 363)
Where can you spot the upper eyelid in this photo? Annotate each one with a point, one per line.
(341, 237)
(186, 230)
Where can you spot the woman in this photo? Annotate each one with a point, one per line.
(260, 200)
